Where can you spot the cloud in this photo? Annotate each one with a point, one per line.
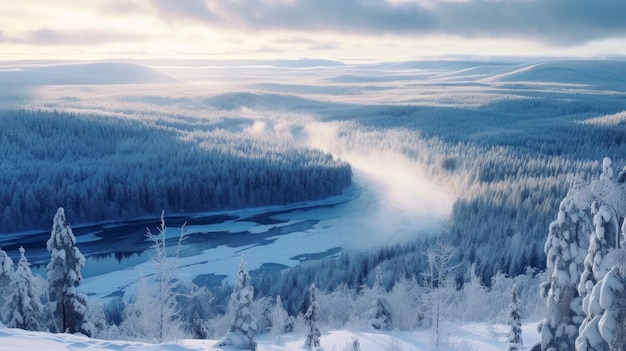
(267, 49)
(561, 22)
(304, 28)
(122, 6)
(187, 9)
(90, 36)
(325, 46)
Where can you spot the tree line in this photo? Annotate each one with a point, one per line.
(108, 168)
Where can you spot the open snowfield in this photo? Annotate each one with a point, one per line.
(472, 337)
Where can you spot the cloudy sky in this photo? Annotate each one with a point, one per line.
(331, 29)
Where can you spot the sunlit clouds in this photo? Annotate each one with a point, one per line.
(345, 30)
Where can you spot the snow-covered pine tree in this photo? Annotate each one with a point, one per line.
(587, 219)
(66, 303)
(243, 325)
(96, 323)
(379, 313)
(605, 327)
(601, 240)
(514, 337)
(607, 169)
(6, 273)
(22, 308)
(312, 337)
(596, 266)
(565, 248)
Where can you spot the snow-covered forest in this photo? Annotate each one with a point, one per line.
(538, 207)
(103, 167)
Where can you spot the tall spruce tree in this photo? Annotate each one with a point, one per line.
(379, 313)
(22, 308)
(6, 273)
(514, 337)
(581, 249)
(597, 264)
(67, 305)
(312, 337)
(565, 248)
(605, 326)
(243, 325)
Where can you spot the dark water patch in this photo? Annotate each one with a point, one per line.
(263, 219)
(124, 239)
(119, 293)
(210, 240)
(96, 265)
(316, 256)
(123, 245)
(269, 218)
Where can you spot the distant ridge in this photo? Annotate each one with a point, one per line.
(591, 72)
(84, 73)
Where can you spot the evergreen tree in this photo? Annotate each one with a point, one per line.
(607, 169)
(243, 325)
(378, 282)
(596, 266)
(565, 248)
(312, 337)
(66, 304)
(605, 326)
(514, 338)
(23, 308)
(379, 313)
(6, 273)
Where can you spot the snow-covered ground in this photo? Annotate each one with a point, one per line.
(478, 337)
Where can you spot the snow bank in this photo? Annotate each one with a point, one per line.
(464, 337)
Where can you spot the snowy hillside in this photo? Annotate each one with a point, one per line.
(601, 73)
(79, 74)
(479, 337)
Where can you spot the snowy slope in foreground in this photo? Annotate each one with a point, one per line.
(466, 337)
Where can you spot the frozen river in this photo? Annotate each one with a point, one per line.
(271, 238)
